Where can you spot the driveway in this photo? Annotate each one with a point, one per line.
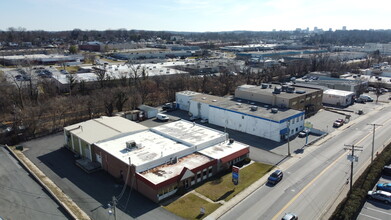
(91, 192)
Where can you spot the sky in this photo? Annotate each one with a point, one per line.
(194, 15)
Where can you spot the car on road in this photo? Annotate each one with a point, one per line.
(384, 187)
(304, 133)
(275, 177)
(290, 216)
(380, 195)
(338, 123)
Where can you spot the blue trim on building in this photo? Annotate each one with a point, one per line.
(266, 119)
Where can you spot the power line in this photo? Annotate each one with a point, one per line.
(352, 158)
(373, 139)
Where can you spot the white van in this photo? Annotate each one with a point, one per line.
(366, 98)
(162, 117)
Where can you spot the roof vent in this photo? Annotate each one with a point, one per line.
(214, 100)
(239, 104)
(264, 86)
(300, 91)
(290, 89)
(254, 108)
(130, 145)
(203, 98)
(277, 90)
(284, 88)
(274, 110)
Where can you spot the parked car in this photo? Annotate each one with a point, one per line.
(275, 177)
(304, 133)
(380, 195)
(290, 216)
(359, 100)
(338, 123)
(169, 106)
(366, 98)
(384, 187)
(162, 117)
(387, 170)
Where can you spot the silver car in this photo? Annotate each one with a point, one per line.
(380, 195)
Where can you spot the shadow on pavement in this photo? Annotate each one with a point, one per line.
(100, 186)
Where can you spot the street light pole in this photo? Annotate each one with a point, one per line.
(288, 132)
(373, 139)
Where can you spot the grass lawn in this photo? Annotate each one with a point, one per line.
(222, 188)
(189, 206)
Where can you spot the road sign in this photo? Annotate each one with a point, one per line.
(235, 175)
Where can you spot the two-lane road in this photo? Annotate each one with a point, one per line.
(312, 184)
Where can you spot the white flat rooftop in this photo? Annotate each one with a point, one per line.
(167, 171)
(98, 129)
(337, 92)
(151, 146)
(189, 132)
(223, 149)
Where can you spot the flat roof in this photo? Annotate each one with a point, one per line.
(235, 106)
(189, 132)
(223, 149)
(98, 129)
(167, 171)
(269, 91)
(337, 92)
(150, 147)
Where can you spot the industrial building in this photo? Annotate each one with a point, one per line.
(40, 59)
(243, 115)
(157, 162)
(303, 99)
(338, 97)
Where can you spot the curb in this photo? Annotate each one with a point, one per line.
(58, 200)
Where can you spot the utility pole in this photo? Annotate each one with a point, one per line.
(352, 159)
(112, 206)
(288, 133)
(373, 138)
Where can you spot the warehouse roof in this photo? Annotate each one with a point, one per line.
(337, 92)
(150, 146)
(98, 129)
(269, 91)
(223, 149)
(167, 171)
(245, 107)
(189, 132)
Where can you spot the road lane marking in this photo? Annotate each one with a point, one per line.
(313, 180)
(371, 217)
(377, 210)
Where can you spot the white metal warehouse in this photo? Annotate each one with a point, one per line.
(337, 97)
(248, 118)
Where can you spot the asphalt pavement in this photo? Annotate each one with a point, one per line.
(21, 197)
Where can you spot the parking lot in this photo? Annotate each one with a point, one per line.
(91, 192)
(374, 209)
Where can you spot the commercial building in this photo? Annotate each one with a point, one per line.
(303, 99)
(243, 115)
(277, 54)
(80, 137)
(338, 97)
(161, 161)
(41, 59)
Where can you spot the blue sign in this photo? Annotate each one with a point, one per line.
(235, 175)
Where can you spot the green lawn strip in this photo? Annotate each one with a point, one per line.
(189, 206)
(222, 188)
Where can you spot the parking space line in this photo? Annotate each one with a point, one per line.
(377, 210)
(371, 217)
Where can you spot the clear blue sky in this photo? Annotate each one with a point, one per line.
(194, 15)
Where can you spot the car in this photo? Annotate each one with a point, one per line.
(204, 121)
(275, 177)
(359, 100)
(162, 117)
(384, 187)
(380, 195)
(304, 133)
(290, 216)
(387, 170)
(338, 123)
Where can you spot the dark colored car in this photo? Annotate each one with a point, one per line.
(275, 177)
(338, 123)
(387, 170)
(304, 133)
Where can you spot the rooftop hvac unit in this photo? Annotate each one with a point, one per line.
(290, 89)
(277, 90)
(300, 91)
(264, 86)
(284, 88)
(274, 110)
(130, 144)
(253, 108)
(239, 104)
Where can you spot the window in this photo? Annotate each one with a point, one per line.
(297, 119)
(199, 175)
(314, 96)
(294, 103)
(204, 173)
(242, 117)
(297, 129)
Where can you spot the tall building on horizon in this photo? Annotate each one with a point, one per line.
(344, 28)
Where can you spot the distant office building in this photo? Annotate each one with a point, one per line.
(344, 28)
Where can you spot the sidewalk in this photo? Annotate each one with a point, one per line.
(288, 162)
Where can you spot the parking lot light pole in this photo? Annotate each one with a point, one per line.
(288, 133)
(373, 139)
